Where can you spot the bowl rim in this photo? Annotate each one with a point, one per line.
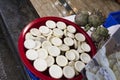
(21, 48)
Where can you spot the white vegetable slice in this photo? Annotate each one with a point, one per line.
(48, 34)
(71, 35)
(68, 72)
(79, 43)
(79, 49)
(61, 60)
(51, 24)
(80, 37)
(68, 41)
(71, 63)
(79, 65)
(71, 29)
(44, 29)
(43, 54)
(29, 44)
(55, 71)
(64, 47)
(46, 44)
(85, 57)
(61, 25)
(40, 38)
(31, 54)
(65, 32)
(49, 37)
(40, 65)
(36, 38)
(76, 54)
(57, 32)
(56, 41)
(50, 61)
(54, 51)
(29, 36)
(38, 45)
(70, 55)
(35, 31)
(85, 47)
(75, 43)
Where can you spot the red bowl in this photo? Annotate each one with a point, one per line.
(36, 24)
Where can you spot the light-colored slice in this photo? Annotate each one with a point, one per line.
(48, 34)
(29, 36)
(43, 54)
(57, 32)
(35, 32)
(85, 57)
(68, 41)
(29, 44)
(40, 38)
(54, 51)
(36, 38)
(40, 65)
(70, 55)
(61, 25)
(44, 29)
(46, 44)
(79, 65)
(65, 32)
(79, 49)
(85, 47)
(71, 63)
(79, 43)
(50, 61)
(71, 35)
(71, 29)
(31, 54)
(56, 41)
(76, 54)
(75, 43)
(55, 71)
(64, 47)
(49, 37)
(38, 45)
(68, 72)
(51, 24)
(61, 60)
(80, 37)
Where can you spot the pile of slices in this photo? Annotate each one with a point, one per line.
(58, 48)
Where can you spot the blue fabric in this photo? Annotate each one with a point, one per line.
(32, 76)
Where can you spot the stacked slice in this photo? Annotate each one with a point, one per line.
(57, 47)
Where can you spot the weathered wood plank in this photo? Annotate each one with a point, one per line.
(49, 7)
(106, 6)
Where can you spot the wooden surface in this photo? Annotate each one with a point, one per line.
(54, 8)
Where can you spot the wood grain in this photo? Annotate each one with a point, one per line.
(54, 8)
